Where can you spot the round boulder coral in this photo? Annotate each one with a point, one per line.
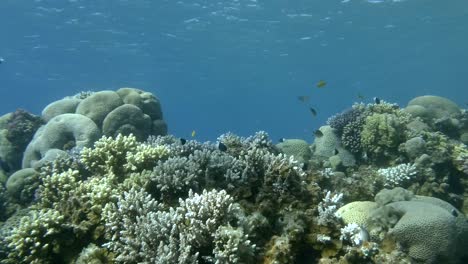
(61, 132)
(146, 101)
(63, 106)
(431, 107)
(127, 119)
(98, 105)
(297, 148)
(22, 184)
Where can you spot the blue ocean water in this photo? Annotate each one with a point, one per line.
(235, 65)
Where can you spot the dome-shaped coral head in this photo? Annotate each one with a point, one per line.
(21, 127)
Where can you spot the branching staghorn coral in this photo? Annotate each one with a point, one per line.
(141, 230)
(283, 175)
(79, 201)
(327, 208)
(395, 176)
(38, 237)
(174, 177)
(121, 155)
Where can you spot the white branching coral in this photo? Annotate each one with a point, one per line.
(327, 173)
(359, 237)
(323, 238)
(353, 234)
(141, 230)
(283, 174)
(395, 176)
(327, 208)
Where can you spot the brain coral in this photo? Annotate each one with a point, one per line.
(357, 212)
(430, 229)
(431, 232)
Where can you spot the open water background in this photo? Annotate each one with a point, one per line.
(235, 65)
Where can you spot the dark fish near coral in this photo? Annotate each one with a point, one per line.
(303, 98)
(321, 84)
(183, 141)
(318, 133)
(376, 100)
(222, 147)
(335, 152)
(313, 111)
(281, 140)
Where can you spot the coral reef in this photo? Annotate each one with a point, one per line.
(432, 230)
(97, 191)
(103, 183)
(80, 120)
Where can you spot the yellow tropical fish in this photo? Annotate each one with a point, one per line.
(321, 84)
(193, 133)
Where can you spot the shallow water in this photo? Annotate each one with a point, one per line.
(235, 65)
